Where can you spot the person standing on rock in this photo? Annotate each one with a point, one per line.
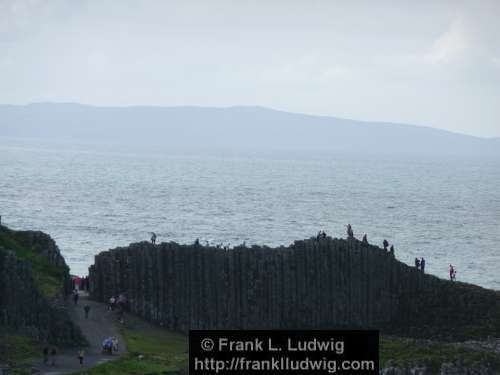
(453, 273)
(87, 310)
(417, 263)
(153, 238)
(385, 243)
(422, 264)
(350, 232)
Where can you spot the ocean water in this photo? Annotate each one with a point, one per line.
(446, 210)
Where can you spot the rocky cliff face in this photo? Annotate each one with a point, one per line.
(330, 283)
(34, 280)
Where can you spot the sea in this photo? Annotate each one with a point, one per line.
(445, 209)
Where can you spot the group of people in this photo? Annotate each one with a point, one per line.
(420, 264)
(110, 345)
(119, 304)
(52, 351)
(80, 283)
(385, 243)
(321, 234)
(86, 308)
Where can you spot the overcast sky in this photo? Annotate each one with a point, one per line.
(434, 63)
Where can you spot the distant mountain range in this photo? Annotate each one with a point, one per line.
(234, 128)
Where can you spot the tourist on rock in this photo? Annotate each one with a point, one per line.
(153, 238)
(87, 310)
(417, 263)
(452, 273)
(392, 249)
(422, 264)
(350, 232)
(385, 243)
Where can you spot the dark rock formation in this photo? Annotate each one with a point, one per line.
(330, 283)
(447, 368)
(30, 261)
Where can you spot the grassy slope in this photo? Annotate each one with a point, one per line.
(17, 348)
(48, 277)
(405, 352)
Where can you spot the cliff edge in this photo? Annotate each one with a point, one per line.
(34, 282)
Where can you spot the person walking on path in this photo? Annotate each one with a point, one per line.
(112, 302)
(75, 296)
(45, 355)
(53, 353)
(422, 264)
(81, 355)
(87, 310)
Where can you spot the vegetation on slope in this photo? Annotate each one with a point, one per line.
(406, 352)
(48, 277)
(17, 348)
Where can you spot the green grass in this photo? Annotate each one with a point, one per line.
(16, 348)
(48, 277)
(160, 350)
(405, 352)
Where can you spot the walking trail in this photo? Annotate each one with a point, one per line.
(100, 325)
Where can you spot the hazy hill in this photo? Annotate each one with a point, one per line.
(235, 128)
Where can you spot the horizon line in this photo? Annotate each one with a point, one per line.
(261, 107)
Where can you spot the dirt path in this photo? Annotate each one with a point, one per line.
(100, 325)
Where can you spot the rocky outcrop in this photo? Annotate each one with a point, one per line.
(29, 260)
(330, 283)
(447, 368)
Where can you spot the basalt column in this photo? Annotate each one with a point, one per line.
(326, 283)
